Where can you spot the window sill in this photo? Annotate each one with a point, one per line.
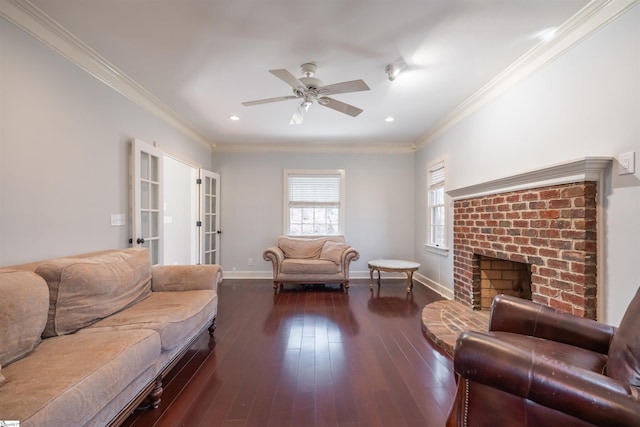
(436, 249)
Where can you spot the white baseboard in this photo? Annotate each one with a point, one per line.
(229, 274)
(268, 274)
(419, 278)
(434, 286)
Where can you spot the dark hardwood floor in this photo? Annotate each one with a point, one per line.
(310, 357)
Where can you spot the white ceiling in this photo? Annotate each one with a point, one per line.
(202, 58)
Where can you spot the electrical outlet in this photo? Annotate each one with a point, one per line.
(250, 263)
(627, 163)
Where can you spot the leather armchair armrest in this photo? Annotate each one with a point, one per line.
(517, 315)
(168, 278)
(583, 394)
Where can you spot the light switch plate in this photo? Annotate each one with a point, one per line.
(118, 220)
(627, 163)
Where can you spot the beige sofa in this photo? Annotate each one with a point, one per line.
(311, 260)
(85, 340)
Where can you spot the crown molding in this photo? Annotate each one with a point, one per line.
(33, 21)
(580, 170)
(588, 20)
(315, 148)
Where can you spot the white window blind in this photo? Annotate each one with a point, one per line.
(314, 202)
(314, 189)
(436, 175)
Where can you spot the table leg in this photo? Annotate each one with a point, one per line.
(370, 278)
(409, 281)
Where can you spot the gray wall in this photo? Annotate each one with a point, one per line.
(379, 205)
(585, 103)
(64, 153)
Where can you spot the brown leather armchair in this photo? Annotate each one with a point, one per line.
(538, 366)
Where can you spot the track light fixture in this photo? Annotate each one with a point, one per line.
(392, 71)
(395, 68)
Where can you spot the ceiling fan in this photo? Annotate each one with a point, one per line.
(310, 89)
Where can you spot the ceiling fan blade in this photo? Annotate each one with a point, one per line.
(340, 106)
(267, 100)
(344, 87)
(288, 78)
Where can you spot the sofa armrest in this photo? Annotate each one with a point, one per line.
(169, 278)
(520, 316)
(350, 254)
(581, 393)
(276, 256)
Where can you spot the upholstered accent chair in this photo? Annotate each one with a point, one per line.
(537, 366)
(311, 260)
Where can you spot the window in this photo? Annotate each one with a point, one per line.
(314, 202)
(436, 215)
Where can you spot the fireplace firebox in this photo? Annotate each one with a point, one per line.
(498, 276)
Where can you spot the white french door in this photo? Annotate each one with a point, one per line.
(146, 199)
(209, 223)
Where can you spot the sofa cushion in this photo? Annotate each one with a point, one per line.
(85, 290)
(301, 248)
(624, 353)
(332, 251)
(309, 266)
(68, 379)
(2, 378)
(174, 315)
(24, 298)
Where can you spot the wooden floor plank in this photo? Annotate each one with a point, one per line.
(310, 356)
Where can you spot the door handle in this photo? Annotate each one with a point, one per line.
(140, 240)
(219, 232)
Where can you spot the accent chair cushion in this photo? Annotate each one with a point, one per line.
(624, 353)
(24, 298)
(85, 290)
(309, 266)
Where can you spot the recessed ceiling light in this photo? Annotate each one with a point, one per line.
(234, 118)
(389, 119)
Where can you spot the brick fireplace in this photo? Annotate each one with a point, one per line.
(539, 230)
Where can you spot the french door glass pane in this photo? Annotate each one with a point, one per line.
(144, 224)
(154, 169)
(144, 195)
(154, 196)
(155, 223)
(144, 166)
(155, 249)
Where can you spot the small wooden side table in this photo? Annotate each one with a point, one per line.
(393, 265)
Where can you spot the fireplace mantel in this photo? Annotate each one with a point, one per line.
(585, 169)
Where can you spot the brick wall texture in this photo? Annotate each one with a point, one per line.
(552, 228)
